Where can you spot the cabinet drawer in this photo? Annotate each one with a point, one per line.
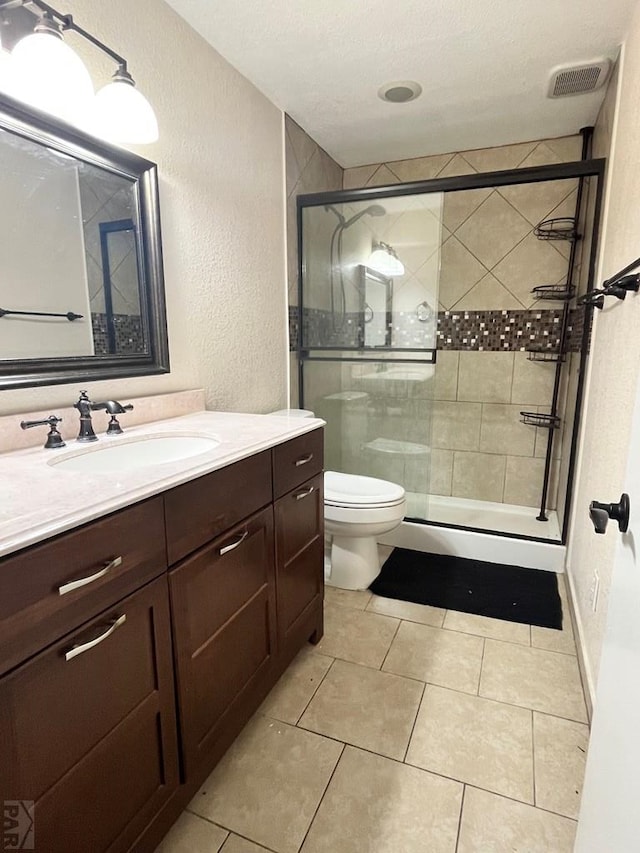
(223, 605)
(110, 728)
(204, 508)
(300, 552)
(65, 581)
(297, 461)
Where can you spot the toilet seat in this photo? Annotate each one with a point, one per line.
(353, 491)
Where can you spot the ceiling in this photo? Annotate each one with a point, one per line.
(483, 66)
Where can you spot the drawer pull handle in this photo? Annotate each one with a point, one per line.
(303, 494)
(235, 544)
(304, 459)
(69, 587)
(84, 647)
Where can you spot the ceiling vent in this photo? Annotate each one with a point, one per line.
(578, 79)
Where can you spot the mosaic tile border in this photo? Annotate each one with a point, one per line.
(129, 334)
(488, 331)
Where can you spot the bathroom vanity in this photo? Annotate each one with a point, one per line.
(135, 646)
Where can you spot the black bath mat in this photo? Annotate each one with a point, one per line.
(487, 589)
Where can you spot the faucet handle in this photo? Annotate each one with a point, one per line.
(114, 427)
(54, 439)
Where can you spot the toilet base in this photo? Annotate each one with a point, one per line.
(354, 562)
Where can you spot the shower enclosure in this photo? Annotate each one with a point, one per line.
(442, 341)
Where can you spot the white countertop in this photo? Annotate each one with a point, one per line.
(39, 500)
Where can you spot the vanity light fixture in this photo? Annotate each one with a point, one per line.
(383, 259)
(46, 73)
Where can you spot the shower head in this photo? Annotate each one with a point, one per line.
(372, 210)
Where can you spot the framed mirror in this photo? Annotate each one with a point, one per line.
(376, 305)
(81, 275)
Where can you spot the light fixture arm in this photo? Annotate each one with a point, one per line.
(67, 23)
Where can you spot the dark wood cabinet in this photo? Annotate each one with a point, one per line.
(300, 565)
(88, 730)
(48, 589)
(224, 617)
(134, 649)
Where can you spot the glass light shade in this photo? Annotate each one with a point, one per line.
(123, 114)
(46, 73)
(383, 261)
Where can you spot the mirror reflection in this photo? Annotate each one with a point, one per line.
(70, 259)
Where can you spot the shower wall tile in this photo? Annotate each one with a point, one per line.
(499, 159)
(536, 201)
(456, 426)
(523, 480)
(441, 472)
(459, 271)
(446, 375)
(493, 230)
(458, 206)
(488, 295)
(309, 169)
(502, 431)
(485, 377)
(531, 263)
(532, 381)
(479, 476)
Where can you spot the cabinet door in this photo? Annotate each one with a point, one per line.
(299, 563)
(87, 729)
(223, 604)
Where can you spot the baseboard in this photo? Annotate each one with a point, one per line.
(583, 656)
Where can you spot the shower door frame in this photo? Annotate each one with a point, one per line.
(588, 168)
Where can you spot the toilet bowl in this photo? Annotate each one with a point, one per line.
(356, 511)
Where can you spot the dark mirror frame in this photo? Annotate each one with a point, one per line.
(367, 273)
(59, 136)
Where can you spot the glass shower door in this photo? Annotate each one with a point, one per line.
(369, 303)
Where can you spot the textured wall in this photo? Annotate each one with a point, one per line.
(220, 160)
(615, 355)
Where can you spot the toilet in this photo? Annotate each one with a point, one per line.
(356, 511)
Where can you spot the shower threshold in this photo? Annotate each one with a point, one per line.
(502, 518)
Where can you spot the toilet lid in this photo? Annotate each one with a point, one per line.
(357, 491)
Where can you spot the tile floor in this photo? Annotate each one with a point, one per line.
(407, 729)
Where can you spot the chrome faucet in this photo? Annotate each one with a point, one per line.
(85, 407)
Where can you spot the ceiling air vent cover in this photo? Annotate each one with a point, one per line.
(578, 79)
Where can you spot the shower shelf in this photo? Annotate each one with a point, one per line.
(547, 355)
(554, 292)
(558, 228)
(540, 419)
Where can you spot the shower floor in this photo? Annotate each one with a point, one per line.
(483, 515)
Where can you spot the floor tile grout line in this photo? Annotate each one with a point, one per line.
(484, 646)
(457, 690)
(304, 711)
(324, 793)
(413, 726)
(384, 660)
(521, 802)
(188, 808)
(464, 791)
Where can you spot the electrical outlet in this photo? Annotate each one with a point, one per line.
(595, 589)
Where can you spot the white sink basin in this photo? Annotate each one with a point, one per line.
(132, 454)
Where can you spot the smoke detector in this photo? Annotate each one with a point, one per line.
(400, 92)
(578, 79)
